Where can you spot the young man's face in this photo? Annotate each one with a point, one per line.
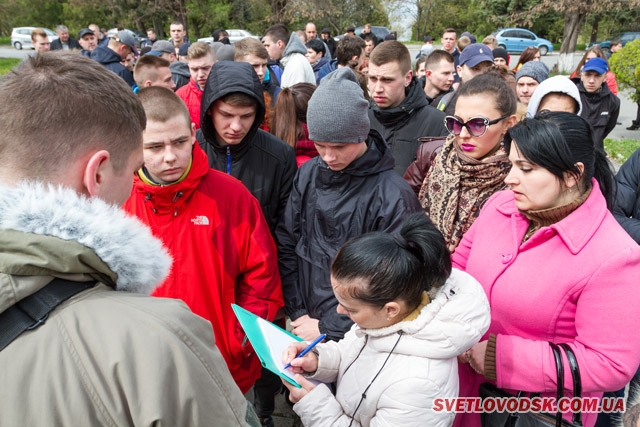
(387, 84)
(168, 148)
(41, 44)
(232, 122)
(556, 101)
(525, 86)
(259, 64)
(177, 33)
(441, 77)
(500, 61)
(88, 42)
(151, 35)
(448, 41)
(313, 56)
(368, 46)
(274, 47)
(340, 155)
(200, 69)
(592, 80)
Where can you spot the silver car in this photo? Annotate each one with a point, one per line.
(21, 37)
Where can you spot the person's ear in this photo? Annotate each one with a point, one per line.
(193, 133)
(570, 180)
(95, 172)
(428, 73)
(392, 310)
(408, 77)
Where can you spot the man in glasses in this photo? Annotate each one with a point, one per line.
(117, 50)
(399, 109)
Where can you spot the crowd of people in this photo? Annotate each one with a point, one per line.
(439, 222)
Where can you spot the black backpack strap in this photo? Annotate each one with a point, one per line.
(33, 310)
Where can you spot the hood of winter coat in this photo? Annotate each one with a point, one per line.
(555, 84)
(228, 77)
(54, 231)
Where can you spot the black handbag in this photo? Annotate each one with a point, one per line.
(536, 419)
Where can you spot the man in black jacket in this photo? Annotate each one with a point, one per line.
(231, 112)
(399, 109)
(348, 190)
(600, 106)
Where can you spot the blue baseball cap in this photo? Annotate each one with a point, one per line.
(598, 65)
(474, 54)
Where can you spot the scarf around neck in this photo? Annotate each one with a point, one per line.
(457, 186)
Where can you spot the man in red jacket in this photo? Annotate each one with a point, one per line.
(200, 58)
(212, 226)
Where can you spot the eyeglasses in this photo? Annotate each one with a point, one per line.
(477, 126)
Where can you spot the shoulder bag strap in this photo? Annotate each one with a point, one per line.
(557, 355)
(32, 311)
(577, 381)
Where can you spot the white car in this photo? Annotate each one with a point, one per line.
(234, 36)
(21, 37)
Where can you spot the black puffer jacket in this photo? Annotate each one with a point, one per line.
(401, 126)
(264, 163)
(627, 205)
(326, 209)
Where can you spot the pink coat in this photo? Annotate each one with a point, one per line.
(574, 282)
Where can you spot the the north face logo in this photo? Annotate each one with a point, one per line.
(200, 220)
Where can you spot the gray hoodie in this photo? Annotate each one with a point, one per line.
(297, 68)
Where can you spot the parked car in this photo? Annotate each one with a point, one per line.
(518, 39)
(624, 38)
(21, 37)
(380, 32)
(139, 38)
(234, 36)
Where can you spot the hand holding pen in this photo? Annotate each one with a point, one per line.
(298, 357)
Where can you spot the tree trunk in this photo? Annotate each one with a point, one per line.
(594, 29)
(572, 23)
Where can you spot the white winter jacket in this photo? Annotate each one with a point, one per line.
(422, 367)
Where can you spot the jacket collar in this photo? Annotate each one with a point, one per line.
(576, 229)
(95, 239)
(172, 197)
(414, 99)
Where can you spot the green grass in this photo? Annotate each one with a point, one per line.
(5, 40)
(620, 149)
(6, 64)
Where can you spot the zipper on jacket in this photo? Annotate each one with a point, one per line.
(175, 199)
(147, 198)
(228, 160)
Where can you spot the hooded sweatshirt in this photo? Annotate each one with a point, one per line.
(326, 208)
(401, 126)
(111, 62)
(555, 84)
(296, 67)
(265, 164)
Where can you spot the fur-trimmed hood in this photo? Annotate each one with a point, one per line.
(53, 231)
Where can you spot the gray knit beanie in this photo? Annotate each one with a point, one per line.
(337, 110)
(537, 70)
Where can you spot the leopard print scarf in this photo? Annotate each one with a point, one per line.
(457, 186)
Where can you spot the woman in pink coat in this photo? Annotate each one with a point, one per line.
(556, 266)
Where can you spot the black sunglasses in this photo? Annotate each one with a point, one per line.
(477, 126)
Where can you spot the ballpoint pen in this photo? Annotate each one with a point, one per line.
(308, 349)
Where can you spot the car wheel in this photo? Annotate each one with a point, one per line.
(17, 45)
(543, 50)
(501, 46)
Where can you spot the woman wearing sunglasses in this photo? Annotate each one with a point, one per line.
(556, 267)
(472, 164)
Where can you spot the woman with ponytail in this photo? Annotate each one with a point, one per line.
(413, 315)
(290, 120)
(556, 267)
